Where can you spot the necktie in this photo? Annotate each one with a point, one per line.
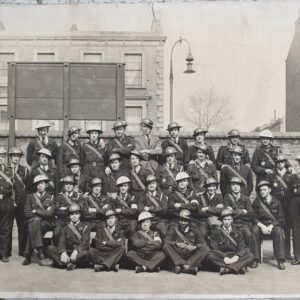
(43, 141)
(148, 139)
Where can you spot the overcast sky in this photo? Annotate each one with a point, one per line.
(239, 48)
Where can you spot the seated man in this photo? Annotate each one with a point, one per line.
(126, 207)
(228, 250)
(156, 203)
(109, 245)
(270, 221)
(74, 241)
(185, 245)
(147, 254)
(39, 212)
(243, 214)
(62, 203)
(95, 206)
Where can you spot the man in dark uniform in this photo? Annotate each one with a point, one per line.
(147, 254)
(44, 167)
(243, 214)
(41, 141)
(74, 240)
(228, 250)
(182, 149)
(224, 156)
(109, 245)
(20, 175)
(156, 203)
(94, 151)
(182, 198)
(199, 137)
(201, 168)
(39, 212)
(62, 203)
(95, 205)
(270, 221)
(167, 172)
(6, 207)
(70, 149)
(185, 245)
(121, 144)
(236, 169)
(149, 146)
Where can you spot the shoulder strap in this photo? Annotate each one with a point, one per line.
(201, 170)
(280, 179)
(118, 143)
(137, 178)
(170, 173)
(122, 201)
(109, 235)
(40, 143)
(186, 201)
(6, 178)
(267, 211)
(75, 231)
(67, 198)
(269, 158)
(93, 202)
(176, 146)
(232, 170)
(183, 238)
(152, 199)
(145, 235)
(95, 151)
(203, 201)
(38, 201)
(232, 200)
(228, 236)
(71, 149)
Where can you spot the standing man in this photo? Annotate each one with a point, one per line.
(120, 144)
(41, 141)
(94, 151)
(109, 245)
(182, 149)
(6, 207)
(149, 146)
(185, 245)
(147, 254)
(71, 148)
(224, 156)
(74, 241)
(270, 221)
(228, 250)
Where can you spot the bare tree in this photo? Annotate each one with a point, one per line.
(208, 110)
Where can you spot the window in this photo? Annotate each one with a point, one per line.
(133, 69)
(3, 117)
(133, 117)
(92, 57)
(4, 59)
(46, 56)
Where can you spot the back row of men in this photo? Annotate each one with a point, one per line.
(119, 175)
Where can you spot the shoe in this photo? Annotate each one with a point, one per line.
(281, 265)
(115, 268)
(223, 271)
(70, 266)
(177, 269)
(186, 267)
(139, 269)
(157, 269)
(254, 265)
(98, 268)
(243, 271)
(5, 259)
(193, 271)
(295, 262)
(26, 261)
(289, 257)
(41, 255)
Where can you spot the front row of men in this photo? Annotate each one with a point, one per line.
(179, 226)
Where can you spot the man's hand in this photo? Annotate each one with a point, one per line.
(270, 228)
(102, 143)
(107, 171)
(191, 247)
(74, 256)
(118, 210)
(146, 208)
(227, 260)
(114, 196)
(177, 205)
(204, 208)
(234, 259)
(34, 211)
(192, 162)
(92, 210)
(63, 208)
(145, 151)
(181, 245)
(269, 171)
(219, 205)
(64, 258)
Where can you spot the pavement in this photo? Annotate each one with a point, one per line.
(45, 281)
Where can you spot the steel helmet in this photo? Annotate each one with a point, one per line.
(185, 214)
(144, 216)
(68, 179)
(119, 123)
(266, 134)
(40, 178)
(181, 176)
(45, 151)
(74, 207)
(226, 212)
(42, 124)
(15, 151)
(122, 180)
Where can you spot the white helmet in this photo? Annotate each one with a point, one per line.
(266, 134)
(144, 216)
(122, 179)
(182, 175)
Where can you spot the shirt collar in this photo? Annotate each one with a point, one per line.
(74, 224)
(41, 194)
(46, 139)
(229, 229)
(137, 169)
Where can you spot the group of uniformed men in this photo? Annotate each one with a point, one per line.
(151, 202)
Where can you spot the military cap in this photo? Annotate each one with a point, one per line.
(42, 124)
(181, 176)
(109, 213)
(136, 153)
(114, 156)
(3, 150)
(74, 207)
(169, 150)
(15, 151)
(233, 133)
(236, 149)
(73, 129)
(210, 181)
(263, 183)
(122, 179)
(199, 130)
(95, 181)
(119, 123)
(226, 212)
(45, 151)
(280, 157)
(266, 134)
(202, 147)
(147, 121)
(40, 178)
(144, 216)
(94, 128)
(150, 178)
(185, 214)
(74, 161)
(173, 125)
(236, 180)
(68, 179)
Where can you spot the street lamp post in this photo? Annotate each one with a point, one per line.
(188, 70)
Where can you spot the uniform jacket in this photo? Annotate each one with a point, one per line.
(182, 159)
(129, 211)
(210, 152)
(294, 185)
(21, 183)
(111, 180)
(142, 173)
(6, 188)
(206, 201)
(82, 183)
(101, 236)
(68, 241)
(141, 243)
